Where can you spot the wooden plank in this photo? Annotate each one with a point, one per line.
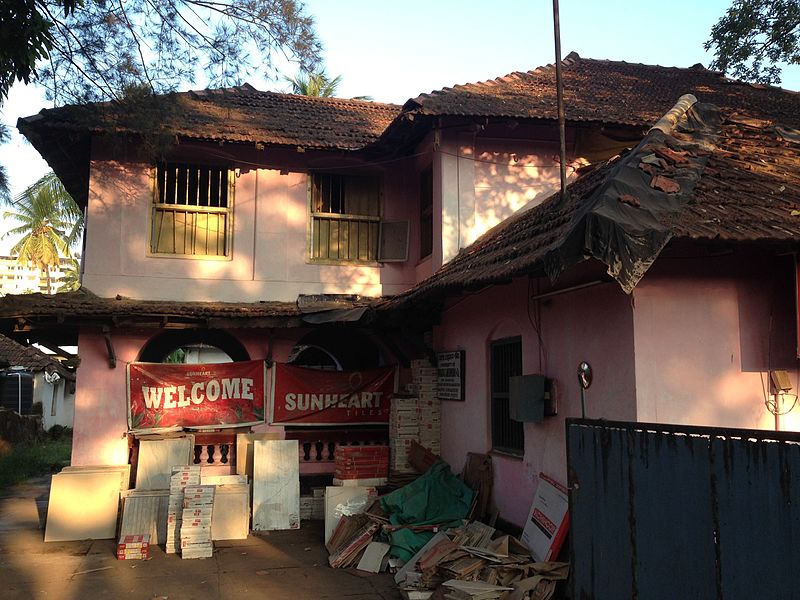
(276, 485)
(156, 459)
(231, 517)
(340, 500)
(146, 512)
(244, 450)
(82, 506)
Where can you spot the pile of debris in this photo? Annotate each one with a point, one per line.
(427, 531)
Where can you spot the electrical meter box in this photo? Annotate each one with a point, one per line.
(531, 398)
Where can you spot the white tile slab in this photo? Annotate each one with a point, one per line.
(156, 459)
(83, 506)
(276, 485)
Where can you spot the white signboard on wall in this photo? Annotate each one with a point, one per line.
(450, 375)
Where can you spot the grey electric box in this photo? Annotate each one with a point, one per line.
(530, 398)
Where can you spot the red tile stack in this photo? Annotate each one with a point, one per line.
(361, 462)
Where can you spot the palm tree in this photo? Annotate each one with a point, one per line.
(71, 279)
(5, 135)
(314, 84)
(317, 84)
(50, 223)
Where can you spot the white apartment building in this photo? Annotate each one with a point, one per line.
(22, 278)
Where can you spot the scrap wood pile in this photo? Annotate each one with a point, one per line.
(474, 562)
(440, 553)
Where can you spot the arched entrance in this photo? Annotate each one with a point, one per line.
(193, 346)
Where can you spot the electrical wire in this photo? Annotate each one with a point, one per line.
(771, 403)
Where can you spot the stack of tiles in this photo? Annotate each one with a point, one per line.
(306, 503)
(198, 506)
(361, 462)
(181, 477)
(403, 429)
(429, 408)
(134, 547)
(318, 503)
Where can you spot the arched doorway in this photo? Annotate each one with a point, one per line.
(193, 346)
(336, 349)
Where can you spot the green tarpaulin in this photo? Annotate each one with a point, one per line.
(436, 498)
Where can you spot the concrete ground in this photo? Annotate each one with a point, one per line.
(274, 565)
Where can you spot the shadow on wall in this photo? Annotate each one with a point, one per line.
(768, 315)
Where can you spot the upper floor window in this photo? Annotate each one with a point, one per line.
(426, 213)
(345, 217)
(192, 210)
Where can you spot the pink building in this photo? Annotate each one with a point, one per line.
(351, 234)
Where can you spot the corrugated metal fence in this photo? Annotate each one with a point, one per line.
(678, 512)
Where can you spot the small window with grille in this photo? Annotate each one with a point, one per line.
(506, 362)
(192, 210)
(345, 218)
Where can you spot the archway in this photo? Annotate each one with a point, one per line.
(194, 346)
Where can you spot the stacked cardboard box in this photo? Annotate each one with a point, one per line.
(305, 507)
(134, 547)
(361, 462)
(318, 503)
(429, 408)
(180, 479)
(198, 507)
(403, 429)
(415, 419)
(313, 507)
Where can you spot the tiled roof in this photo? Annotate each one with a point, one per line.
(606, 91)
(13, 354)
(84, 305)
(238, 114)
(748, 191)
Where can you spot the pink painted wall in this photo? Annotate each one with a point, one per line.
(593, 324)
(100, 423)
(270, 223)
(707, 333)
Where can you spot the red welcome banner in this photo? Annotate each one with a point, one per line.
(302, 396)
(205, 395)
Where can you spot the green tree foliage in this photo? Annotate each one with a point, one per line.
(4, 187)
(94, 49)
(71, 280)
(316, 84)
(754, 35)
(49, 223)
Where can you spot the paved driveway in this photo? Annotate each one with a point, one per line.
(276, 565)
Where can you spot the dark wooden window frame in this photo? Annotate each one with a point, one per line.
(505, 361)
(338, 234)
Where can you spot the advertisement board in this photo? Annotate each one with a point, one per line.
(303, 396)
(162, 395)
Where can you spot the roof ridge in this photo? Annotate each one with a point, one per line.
(248, 89)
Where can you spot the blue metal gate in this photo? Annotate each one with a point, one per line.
(679, 512)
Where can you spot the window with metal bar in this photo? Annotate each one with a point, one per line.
(345, 218)
(192, 208)
(506, 362)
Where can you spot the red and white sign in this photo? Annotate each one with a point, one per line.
(548, 520)
(206, 395)
(315, 397)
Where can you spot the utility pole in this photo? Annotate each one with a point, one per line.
(560, 101)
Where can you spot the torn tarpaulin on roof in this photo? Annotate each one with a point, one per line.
(619, 224)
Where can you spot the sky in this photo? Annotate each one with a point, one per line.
(395, 51)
